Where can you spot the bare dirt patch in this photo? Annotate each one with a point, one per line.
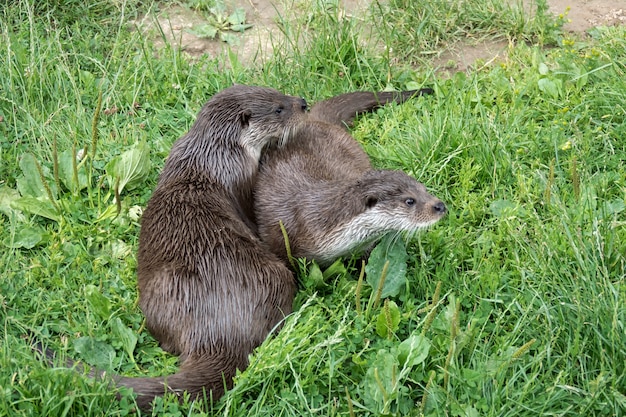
(584, 15)
(173, 25)
(580, 15)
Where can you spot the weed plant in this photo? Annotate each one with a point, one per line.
(512, 305)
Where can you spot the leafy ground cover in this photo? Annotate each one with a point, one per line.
(512, 305)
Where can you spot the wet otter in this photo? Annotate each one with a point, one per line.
(210, 291)
(330, 200)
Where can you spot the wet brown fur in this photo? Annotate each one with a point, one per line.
(210, 290)
(330, 200)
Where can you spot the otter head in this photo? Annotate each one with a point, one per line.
(378, 203)
(231, 130)
(262, 116)
(394, 201)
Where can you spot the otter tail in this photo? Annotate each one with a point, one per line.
(203, 376)
(206, 376)
(342, 109)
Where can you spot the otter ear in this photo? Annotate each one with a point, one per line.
(371, 201)
(245, 117)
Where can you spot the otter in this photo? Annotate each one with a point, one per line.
(330, 200)
(210, 289)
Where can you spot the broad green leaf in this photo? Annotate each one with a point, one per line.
(382, 327)
(543, 69)
(29, 183)
(337, 268)
(131, 168)
(66, 172)
(125, 335)
(413, 351)
(582, 80)
(315, 277)
(506, 209)
(40, 207)
(110, 212)
(238, 17)
(380, 381)
(391, 249)
(614, 207)
(240, 28)
(94, 352)
(26, 237)
(99, 303)
(552, 87)
(118, 249)
(413, 85)
(229, 38)
(87, 79)
(204, 31)
(7, 196)
(218, 11)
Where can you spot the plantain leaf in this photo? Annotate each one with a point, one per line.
(230, 38)
(337, 268)
(240, 27)
(39, 206)
(95, 352)
(315, 277)
(7, 196)
(131, 168)
(382, 327)
(125, 335)
(204, 31)
(379, 382)
(414, 350)
(30, 183)
(66, 172)
(99, 303)
(552, 87)
(238, 17)
(391, 249)
(26, 237)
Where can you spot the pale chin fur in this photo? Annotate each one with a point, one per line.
(366, 228)
(288, 132)
(254, 145)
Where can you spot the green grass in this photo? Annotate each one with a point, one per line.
(512, 305)
(415, 30)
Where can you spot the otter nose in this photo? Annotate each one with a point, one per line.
(303, 104)
(440, 207)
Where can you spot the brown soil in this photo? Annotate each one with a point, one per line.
(175, 22)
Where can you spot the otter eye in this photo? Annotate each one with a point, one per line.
(279, 110)
(409, 202)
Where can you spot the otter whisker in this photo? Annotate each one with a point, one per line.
(287, 133)
(394, 236)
